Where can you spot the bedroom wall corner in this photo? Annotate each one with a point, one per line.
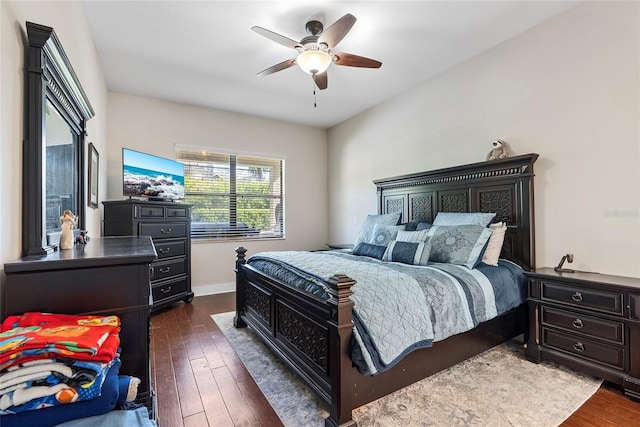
(567, 89)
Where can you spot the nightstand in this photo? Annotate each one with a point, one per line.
(587, 321)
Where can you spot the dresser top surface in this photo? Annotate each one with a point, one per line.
(582, 276)
(99, 251)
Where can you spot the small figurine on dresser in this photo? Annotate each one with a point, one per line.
(68, 222)
(82, 238)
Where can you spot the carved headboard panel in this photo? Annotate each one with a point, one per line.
(502, 186)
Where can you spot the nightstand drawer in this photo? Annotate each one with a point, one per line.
(164, 230)
(587, 325)
(584, 348)
(609, 302)
(168, 289)
(169, 248)
(164, 269)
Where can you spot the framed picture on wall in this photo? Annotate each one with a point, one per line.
(94, 162)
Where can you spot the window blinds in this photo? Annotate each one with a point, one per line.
(234, 196)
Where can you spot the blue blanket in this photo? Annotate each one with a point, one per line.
(398, 307)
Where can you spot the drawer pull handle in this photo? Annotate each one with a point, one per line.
(151, 213)
(165, 270)
(577, 296)
(167, 231)
(578, 324)
(578, 346)
(165, 291)
(164, 250)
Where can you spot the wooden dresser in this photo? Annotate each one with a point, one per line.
(107, 276)
(169, 226)
(587, 321)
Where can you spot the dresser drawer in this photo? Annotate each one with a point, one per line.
(164, 269)
(151, 211)
(177, 212)
(586, 325)
(168, 289)
(609, 302)
(584, 348)
(170, 248)
(164, 230)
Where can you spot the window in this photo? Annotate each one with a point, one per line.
(234, 196)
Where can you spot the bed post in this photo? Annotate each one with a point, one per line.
(241, 284)
(340, 368)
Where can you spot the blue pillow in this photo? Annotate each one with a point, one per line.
(366, 229)
(383, 235)
(367, 249)
(458, 244)
(464, 218)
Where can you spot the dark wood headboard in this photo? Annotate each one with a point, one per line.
(502, 186)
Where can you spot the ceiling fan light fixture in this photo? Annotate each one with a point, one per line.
(313, 61)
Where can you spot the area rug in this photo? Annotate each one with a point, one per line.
(499, 387)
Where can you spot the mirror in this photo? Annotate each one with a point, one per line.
(61, 176)
(57, 110)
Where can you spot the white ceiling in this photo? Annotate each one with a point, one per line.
(204, 53)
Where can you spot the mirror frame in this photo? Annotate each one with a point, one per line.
(48, 74)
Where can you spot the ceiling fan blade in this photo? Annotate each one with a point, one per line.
(321, 80)
(349, 60)
(336, 31)
(285, 41)
(278, 67)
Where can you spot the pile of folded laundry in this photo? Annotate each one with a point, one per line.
(57, 367)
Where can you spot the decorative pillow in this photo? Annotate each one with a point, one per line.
(412, 236)
(494, 246)
(423, 226)
(372, 251)
(464, 218)
(366, 229)
(458, 244)
(383, 235)
(408, 253)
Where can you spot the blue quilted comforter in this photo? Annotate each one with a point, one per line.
(398, 307)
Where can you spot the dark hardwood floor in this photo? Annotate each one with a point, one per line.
(200, 382)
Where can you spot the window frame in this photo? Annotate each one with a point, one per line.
(235, 226)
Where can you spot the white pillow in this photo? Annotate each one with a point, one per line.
(412, 236)
(366, 229)
(494, 245)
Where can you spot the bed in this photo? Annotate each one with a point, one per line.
(314, 335)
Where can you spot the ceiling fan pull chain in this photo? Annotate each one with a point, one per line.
(315, 105)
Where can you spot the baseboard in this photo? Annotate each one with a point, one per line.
(218, 288)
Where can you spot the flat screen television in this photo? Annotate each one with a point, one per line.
(153, 177)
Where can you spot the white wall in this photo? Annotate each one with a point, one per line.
(568, 89)
(70, 25)
(155, 127)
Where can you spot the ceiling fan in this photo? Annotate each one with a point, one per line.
(314, 51)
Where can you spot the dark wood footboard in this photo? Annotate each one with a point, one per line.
(309, 334)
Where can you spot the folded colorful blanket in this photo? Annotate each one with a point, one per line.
(49, 372)
(39, 336)
(41, 395)
(41, 319)
(54, 415)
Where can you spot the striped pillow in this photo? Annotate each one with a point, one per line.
(412, 236)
